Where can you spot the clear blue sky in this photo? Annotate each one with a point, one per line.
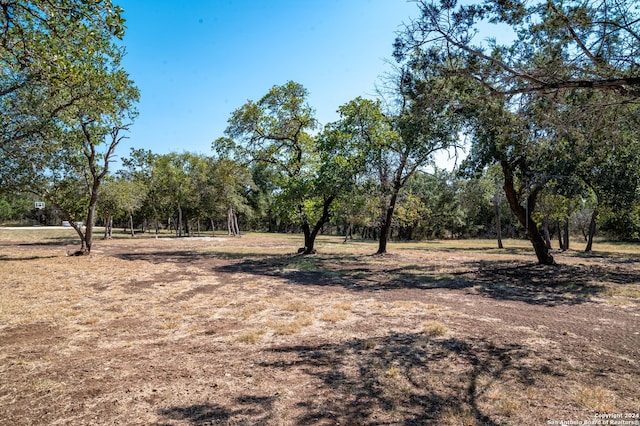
(196, 61)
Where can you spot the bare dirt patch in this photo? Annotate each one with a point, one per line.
(244, 331)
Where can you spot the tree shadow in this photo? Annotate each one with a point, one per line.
(518, 251)
(184, 256)
(502, 280)
(406, 377)
(4, 258)
(247, 409)
(498, 279)
(49, 242)
(400, 378)
(544, 285)
(610, 256)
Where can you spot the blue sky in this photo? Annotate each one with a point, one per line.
(196, 61)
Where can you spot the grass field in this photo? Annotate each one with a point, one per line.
(221, 330)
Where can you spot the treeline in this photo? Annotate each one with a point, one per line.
(198, 195)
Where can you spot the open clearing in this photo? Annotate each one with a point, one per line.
(241, 331)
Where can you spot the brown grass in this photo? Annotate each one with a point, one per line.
(244, 331)
(334, 315)
(595, 398)
(250, 336)
(434, 328)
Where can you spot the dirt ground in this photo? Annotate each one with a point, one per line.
(242, 331)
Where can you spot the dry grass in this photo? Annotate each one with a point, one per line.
(458, 416)
(225, 331)
(288, 327)
(299, 306)
(503, 403)
(434, 328)
(595, 398)
(631, 291)
(250, 336)
(334, 315)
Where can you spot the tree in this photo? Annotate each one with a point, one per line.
(174, 176)
(66, 102)
(140, 167)
(108, 205)
(308, 171)
(569, 59)
(132, 194)
(49, 52)
(420, 124)
(524, 155)
(605, 148)
(226, 192)
(558, 46)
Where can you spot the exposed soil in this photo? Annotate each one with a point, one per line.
(246, 332)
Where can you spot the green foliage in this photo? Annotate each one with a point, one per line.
(306, 172)
(51, 54)
(187, 186)
(555, 103)
(65, 101)
(558, 46)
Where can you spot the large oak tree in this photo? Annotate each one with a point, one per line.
(570, 59)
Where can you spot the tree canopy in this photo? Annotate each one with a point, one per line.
(66, 100)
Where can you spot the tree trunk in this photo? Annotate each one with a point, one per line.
(524, 216)
(107, 227)
(566, 234)
(235, 224)
(91, 214)
(133, 233)
(592, 231)
(232, 223)
(385, 229)
(545, 227)
(559, 228)
(310, 239)
(496, 212)
(179, 225)
(155, 215)
(311, 234)
(347, 231)
(213, 227)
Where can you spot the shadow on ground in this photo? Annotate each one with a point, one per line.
(401, 378)
(258, 409)
(530, 283)
(502, 280)
(185, 256)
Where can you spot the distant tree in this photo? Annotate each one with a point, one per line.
(605, 149)
(484, 203)
(133, 194)
(174, 175)
(139, 167)
(108, 205)
(263, 197)
(228, 186)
